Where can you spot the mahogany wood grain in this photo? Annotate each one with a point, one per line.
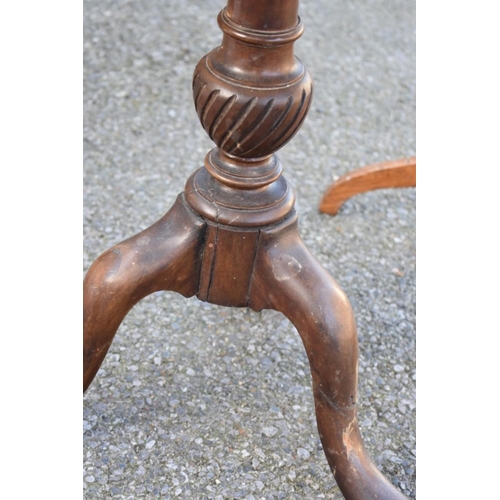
(164, 256)
(231, 238)
(289, 279)
(391, 174)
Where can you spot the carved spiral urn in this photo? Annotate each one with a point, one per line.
(251, 94)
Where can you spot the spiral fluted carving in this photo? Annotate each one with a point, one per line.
(246, 121)
(251, 93)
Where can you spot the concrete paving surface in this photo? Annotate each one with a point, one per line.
(196, 401)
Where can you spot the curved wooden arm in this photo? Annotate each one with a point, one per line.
(289, 279)
(399, 173)
(162, 257)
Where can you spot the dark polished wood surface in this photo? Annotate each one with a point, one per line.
(232, 239)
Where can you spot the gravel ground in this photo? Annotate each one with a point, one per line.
(203, 402)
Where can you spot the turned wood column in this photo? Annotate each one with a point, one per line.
(251, 94)
(232, 239)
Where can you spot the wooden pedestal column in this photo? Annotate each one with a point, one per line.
(231, 238)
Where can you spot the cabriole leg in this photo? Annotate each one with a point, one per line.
(162, 257)
(289, 279)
